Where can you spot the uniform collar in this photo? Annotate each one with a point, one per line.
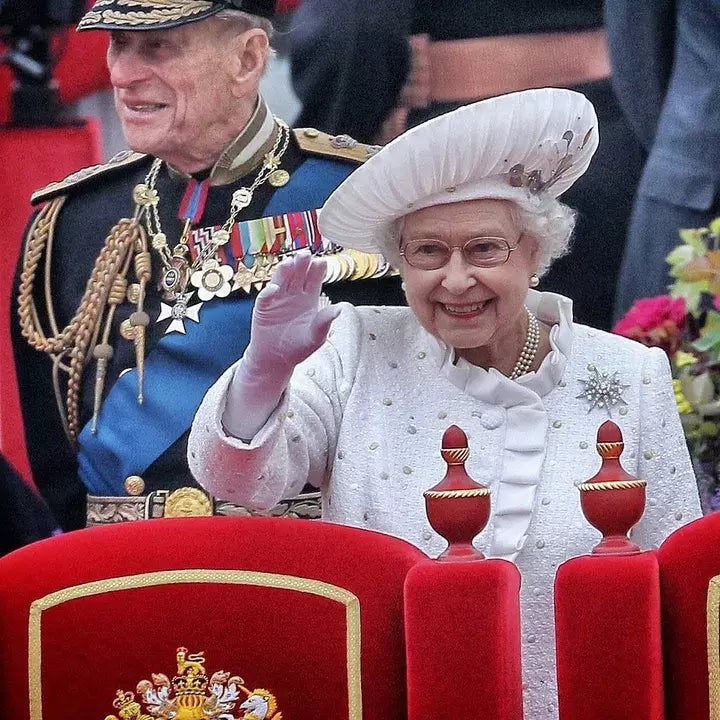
(245, 152)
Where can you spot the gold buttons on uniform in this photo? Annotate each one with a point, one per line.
(127, 330)
(134, 485)
(133, 293)
(310, 132)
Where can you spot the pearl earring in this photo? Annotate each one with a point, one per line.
(534, 280)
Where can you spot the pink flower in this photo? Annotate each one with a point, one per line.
(656, 322)
(651, 313)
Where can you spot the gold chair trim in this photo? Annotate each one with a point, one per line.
(172, 577)
(475, 492)
(611, 485)
(713, 646)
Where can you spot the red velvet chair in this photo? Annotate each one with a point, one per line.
(690, 594)
(334, 622)
(608, 638)
(638, 636)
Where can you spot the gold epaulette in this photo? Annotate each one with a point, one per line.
(344, 147)
(79, 178)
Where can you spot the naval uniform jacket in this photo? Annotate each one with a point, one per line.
(149, 440)
(364, 417)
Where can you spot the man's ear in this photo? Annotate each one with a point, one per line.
(250, 54)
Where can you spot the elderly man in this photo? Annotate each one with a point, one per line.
(137, 279)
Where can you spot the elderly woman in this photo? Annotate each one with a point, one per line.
(466, 208)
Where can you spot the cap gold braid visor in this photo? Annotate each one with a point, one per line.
(163, 14)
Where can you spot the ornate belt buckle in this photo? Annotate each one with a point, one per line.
(183, 502)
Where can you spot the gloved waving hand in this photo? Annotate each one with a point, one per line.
(288, 325)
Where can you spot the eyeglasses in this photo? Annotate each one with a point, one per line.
(432, 254)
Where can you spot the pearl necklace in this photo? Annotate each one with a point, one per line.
(529, 349)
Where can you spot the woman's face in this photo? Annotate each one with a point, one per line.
(478, 311)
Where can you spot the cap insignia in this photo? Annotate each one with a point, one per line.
(145, 12)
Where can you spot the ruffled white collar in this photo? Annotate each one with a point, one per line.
(494, 387)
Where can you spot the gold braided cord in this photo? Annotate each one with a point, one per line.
(612, 485)
(476, 492)
(713, 646)
(103, 352)
(70, 347)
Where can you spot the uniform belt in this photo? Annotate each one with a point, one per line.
(477, 68)
(189, 502)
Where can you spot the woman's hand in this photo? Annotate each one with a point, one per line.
(288, 323)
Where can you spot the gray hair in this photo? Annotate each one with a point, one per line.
(247, 21)
(550, 223)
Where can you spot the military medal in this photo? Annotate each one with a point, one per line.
(212, 280)
(180, 311)
(204, 270)
(278, 178)
(243, 278)
(174, 278)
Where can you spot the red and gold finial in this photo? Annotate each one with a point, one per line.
(458, 508)
(612, 500)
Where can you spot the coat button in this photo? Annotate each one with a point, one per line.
(134, 485)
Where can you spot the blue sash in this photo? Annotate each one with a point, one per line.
(181, 368)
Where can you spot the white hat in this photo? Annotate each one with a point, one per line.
(527, 146)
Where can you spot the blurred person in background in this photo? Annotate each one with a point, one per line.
(666, 55)
(374, 68)
(137, 278)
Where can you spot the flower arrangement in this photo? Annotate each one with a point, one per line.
(685, 323)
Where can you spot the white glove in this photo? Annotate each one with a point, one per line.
(288, 325)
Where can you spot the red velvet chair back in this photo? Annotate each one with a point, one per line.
(690, 596)
(312, 612)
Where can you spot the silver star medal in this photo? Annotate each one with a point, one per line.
(602, 390)
(179, 312)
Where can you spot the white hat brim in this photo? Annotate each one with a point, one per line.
(466, 154)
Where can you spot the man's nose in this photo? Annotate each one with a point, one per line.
(126, 68)
(459, 275)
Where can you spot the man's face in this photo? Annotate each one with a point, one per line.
(173, 91)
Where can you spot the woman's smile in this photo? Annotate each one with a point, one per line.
(464, 311)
